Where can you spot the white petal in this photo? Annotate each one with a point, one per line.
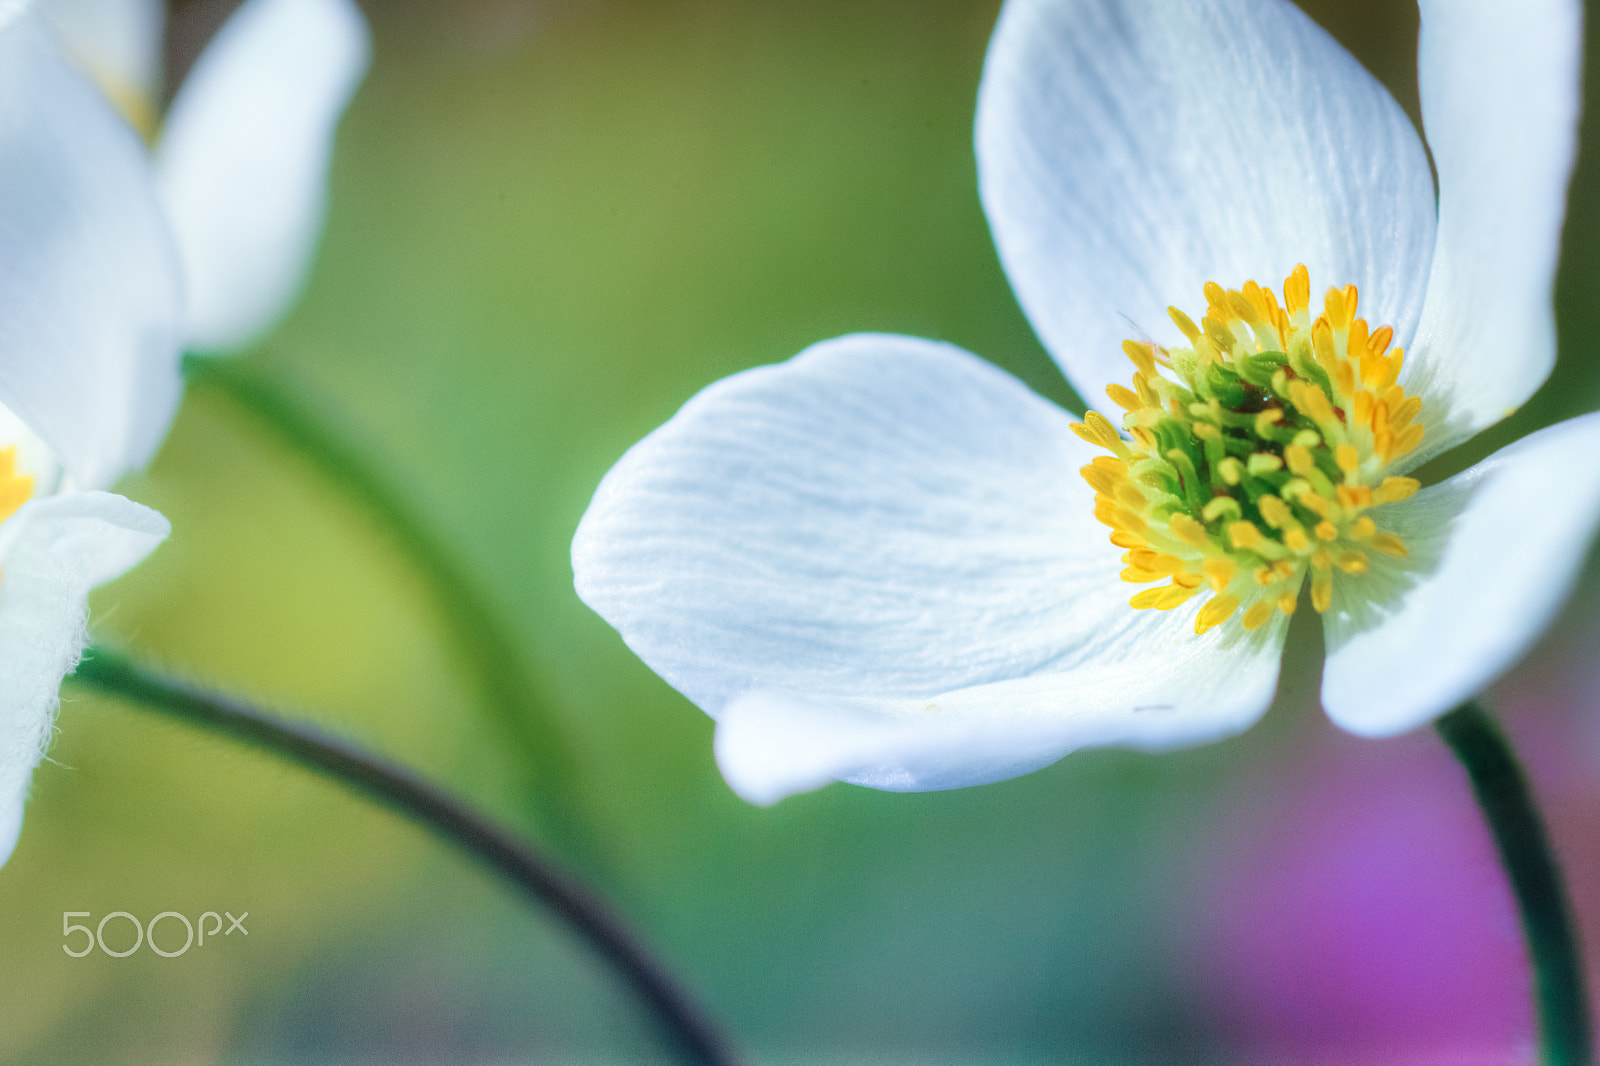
(89, 290)
(1494, 551)
(1500, 95)
(52, 552)
(244, 159)
(1131, 150)
(882, 524)
(117, 42)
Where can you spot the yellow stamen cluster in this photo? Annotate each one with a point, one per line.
(1256, 454)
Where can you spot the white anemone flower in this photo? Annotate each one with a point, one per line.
(89, 311)
(244, 151)
(886, 562)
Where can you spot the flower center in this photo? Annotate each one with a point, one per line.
(1255, 455)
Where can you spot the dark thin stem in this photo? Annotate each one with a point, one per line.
(1525, 852)
(481, 635)
(403, 792)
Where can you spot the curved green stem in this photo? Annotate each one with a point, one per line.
(482, 636)
(1530, 863)
(681, 1020)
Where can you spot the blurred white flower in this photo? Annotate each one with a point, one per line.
(89, 307)
(244, 151)
(878, 562)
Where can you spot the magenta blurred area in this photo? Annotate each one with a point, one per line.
(1355, 913)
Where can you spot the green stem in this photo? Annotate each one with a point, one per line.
(681, 1020)
(482, 637)
(1530, 863)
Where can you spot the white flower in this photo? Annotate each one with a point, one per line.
(244, 151)
(89, 306)
(878, 562)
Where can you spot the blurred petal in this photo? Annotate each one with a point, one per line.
(118, 43)
(245, 154)
(1494, 552)
(879, 525)
(89, 289)
(52, 552)
(1131, 150)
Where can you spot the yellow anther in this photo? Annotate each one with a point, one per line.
(1321, 590)
(1363, 528)
(1316, 404)
(1263, 575)
(1219, 572)
(1297, 541)
(1216, 611)
(1407, 441)
(1128, 540)
(1355, 344)
(1099, 478)
(1172, 596)
(1287, 601)
(1283, 569)
(1333, 306)
(1351, 561)
(1146, 391)
(1206, 431)
(1265, 420)
(1323, 507)
(1244, 534)
(1353, 497)
(1389, 544)
(1344, 376)
(1257, 615)
(1098, 430)
(1188, 581)
(1188, 530)
(1275, 511)
(1408, 409)
(1299, 459)
(1379, 341)
(1232, 470)
(1327, 531)
(1124, 397)
(1347, 457)
(1185, 324)
(1395, 489)
(1297, 290)
(1139, 576)
(1322, 343)
(1361, 409)
(1141, 355)
(1322, 560)
(1129, 496)
(1147, 598)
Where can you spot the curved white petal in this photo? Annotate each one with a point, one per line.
(1501, 88)
(116, 42)
(1131, 150)
(89, 290)
(244, 158)
(891, 528)
(1494, 551)
(52, 552)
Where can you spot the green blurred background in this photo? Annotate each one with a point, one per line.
(551, 224)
